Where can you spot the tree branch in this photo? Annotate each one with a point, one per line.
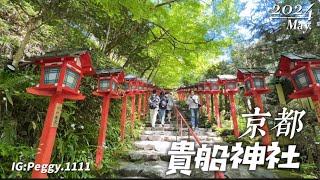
(165, 3)
(170, 35)
(24, 10)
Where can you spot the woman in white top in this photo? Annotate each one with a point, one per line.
(193, 102)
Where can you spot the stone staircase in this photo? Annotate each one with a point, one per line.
(150, 159)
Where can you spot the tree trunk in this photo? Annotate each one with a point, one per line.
(19, 54)
(317, 146)
(144, 72)
(315, 13)
(157, 69)
(151, 73)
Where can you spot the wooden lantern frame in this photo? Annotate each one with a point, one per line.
(77, 61)
(114, 76)
(248, 76)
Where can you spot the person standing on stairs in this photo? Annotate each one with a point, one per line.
(169, 105)
(193, 102)
(162, 107)
(154, 101)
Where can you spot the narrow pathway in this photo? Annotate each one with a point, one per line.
(150, 159)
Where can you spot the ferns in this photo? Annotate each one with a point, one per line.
(11, 82)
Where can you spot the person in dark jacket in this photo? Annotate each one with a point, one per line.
(162, 107)
(154, 107)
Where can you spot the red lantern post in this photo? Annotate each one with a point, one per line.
(200, 93)
(231, 88)
(206, 90)
(145, 94)
(129, 86)
(179, 94)
(61, 73)
(215, 89)
(140, 92)
(304, 73)
(184, 94)
(255, 85)
(108, 80)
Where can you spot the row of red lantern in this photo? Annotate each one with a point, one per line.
(61, 74)
(302, 69)
(112, 83)
(254, 80)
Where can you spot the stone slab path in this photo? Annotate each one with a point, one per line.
(150, 159)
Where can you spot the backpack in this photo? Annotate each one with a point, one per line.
(163, 102)
(153, 104)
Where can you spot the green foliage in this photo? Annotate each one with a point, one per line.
(308, 168)
(10, 83)
(145, 37)
(246, 141)
(209, 124)
(76, 139)
(16, 153)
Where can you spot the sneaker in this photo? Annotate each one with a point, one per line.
(193, 128)
(160, 125)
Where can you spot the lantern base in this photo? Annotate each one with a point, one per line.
(230, 92)
(212, 91)
(306, 92)
(50, 91)
(103, 94)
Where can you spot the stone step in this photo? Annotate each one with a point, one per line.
(197, 129)
(173, 133)
(172, 124)
(159, 129)
(157, 170)
(174, 129)
(148, 155)
(165, 146)
(159, 125)
(177, 138)
(156, 152)
(160, 146)
(204, 139)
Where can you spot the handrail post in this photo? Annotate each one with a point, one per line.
(176, 119)
(217, 174)
(180, 126)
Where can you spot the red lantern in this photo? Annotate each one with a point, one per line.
(130, 87)
(145, 96)
(108, 80)
(230, 89)
(214, 88)
(140, 92)
(61, 73)
(255, 85)
(304, 72)
(200, 87)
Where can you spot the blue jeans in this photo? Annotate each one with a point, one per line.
(162, 115)
(194, 116)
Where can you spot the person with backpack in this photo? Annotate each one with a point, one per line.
(193, 102)
(162, 107)
(154, 101)
(169, 105)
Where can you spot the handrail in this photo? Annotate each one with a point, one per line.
(217, 174)
(182, 119)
